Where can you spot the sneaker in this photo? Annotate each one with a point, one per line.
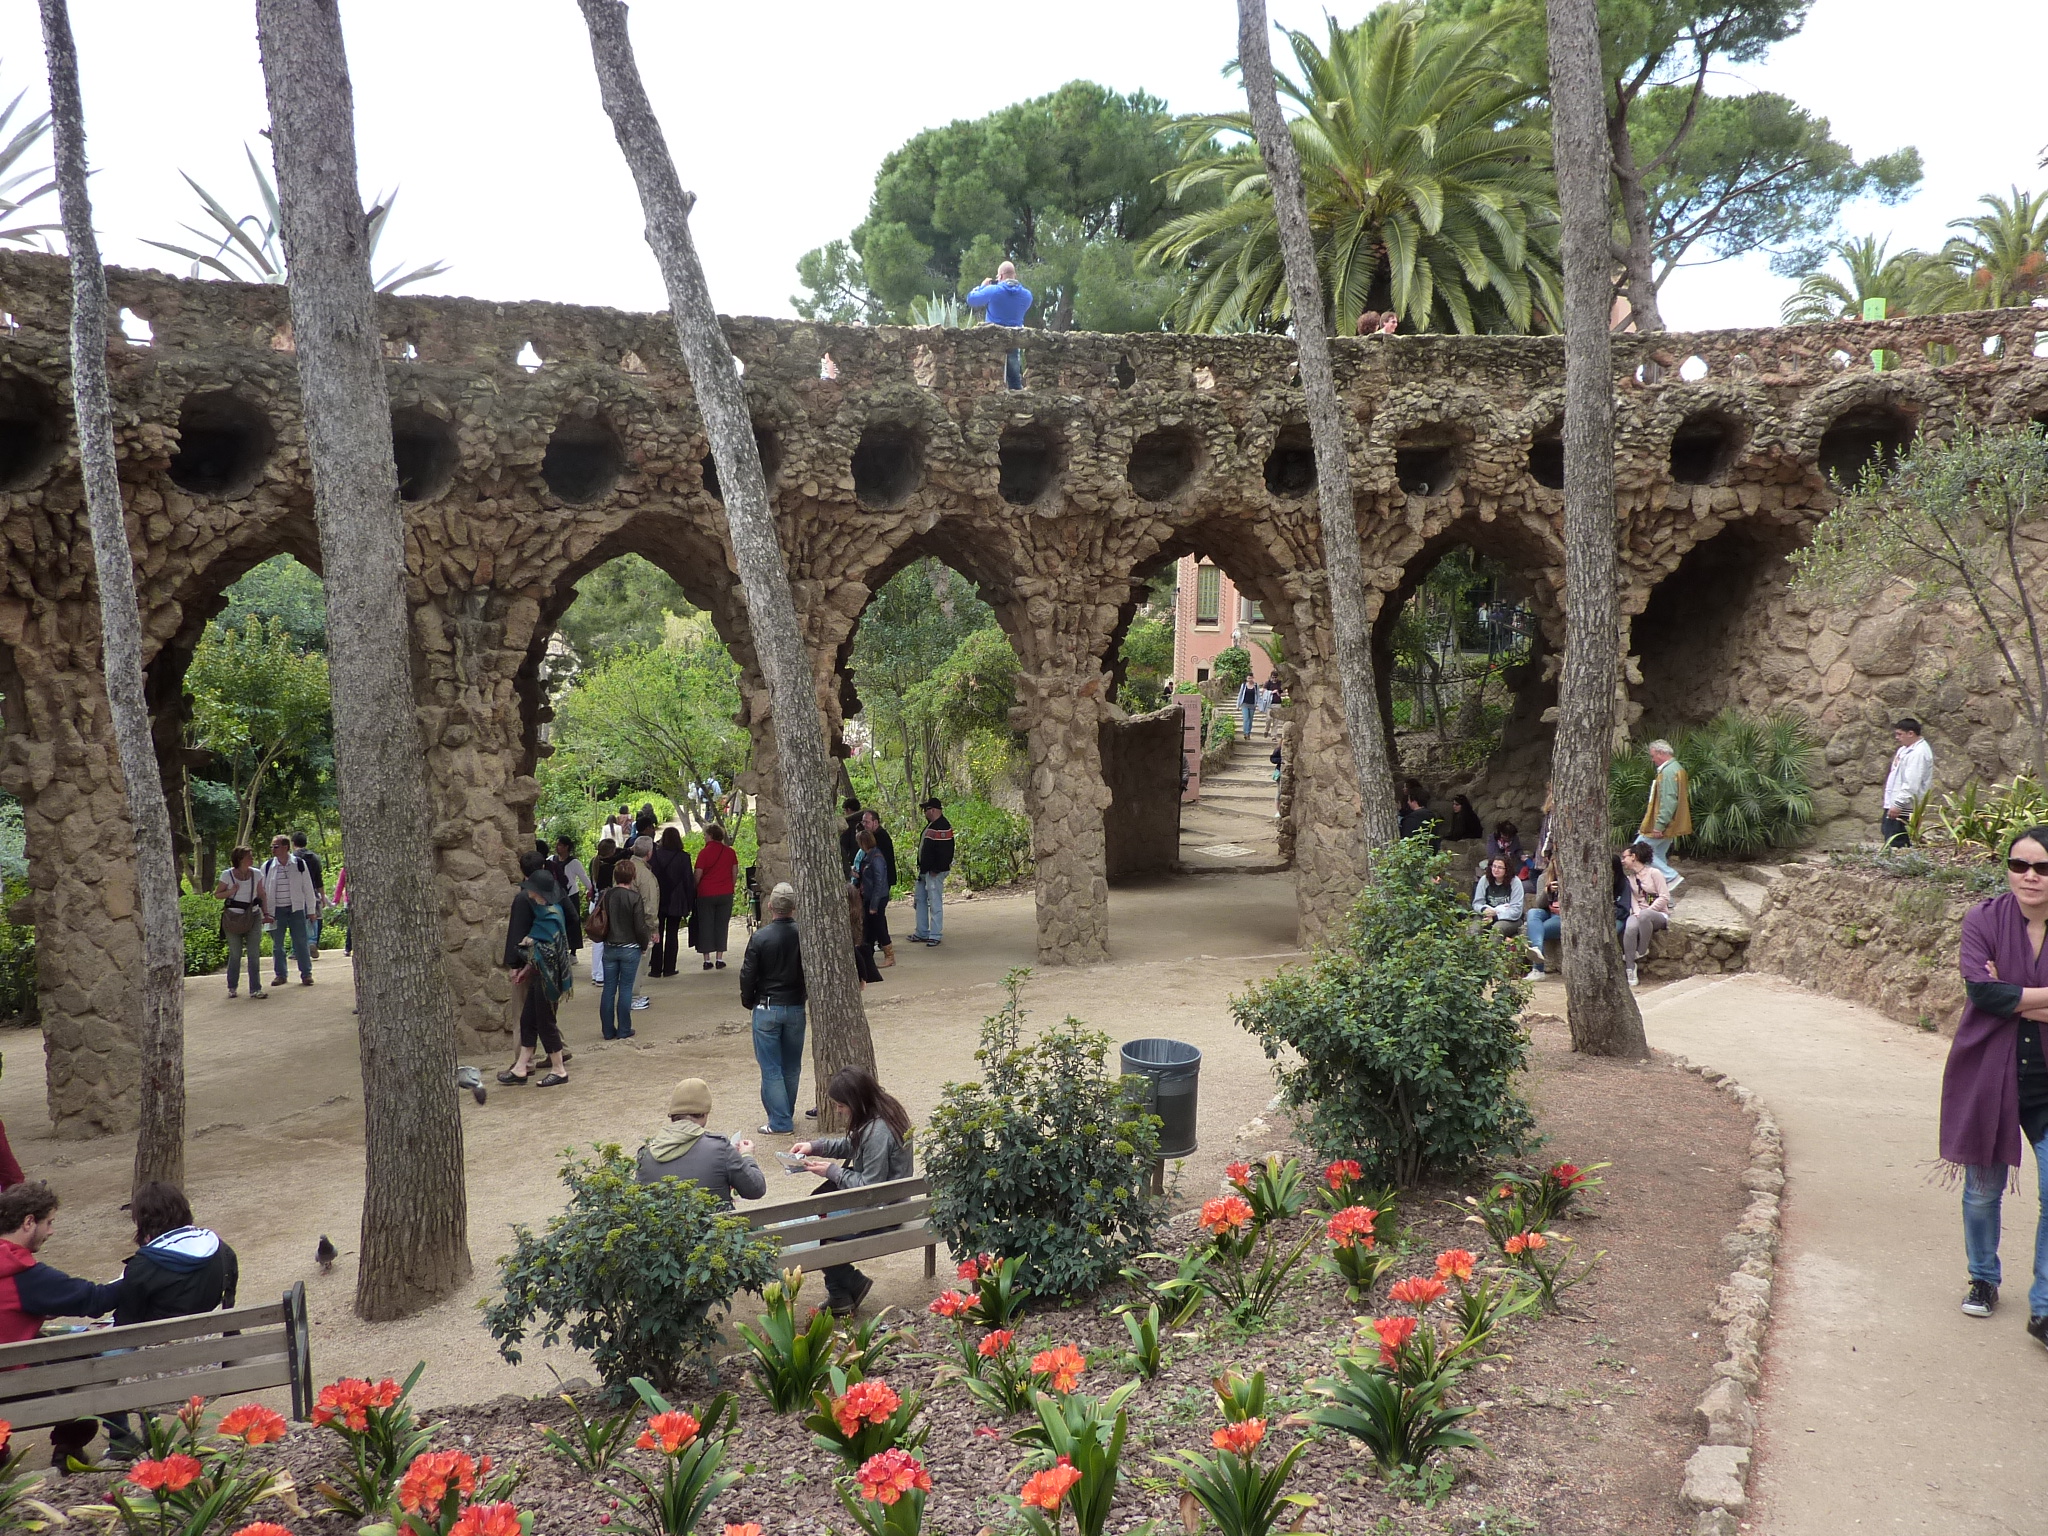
(1982, 1301)
(641, 1002)
(1536, 973)
(2037, 1328)
(1631, 975)
(258, 992)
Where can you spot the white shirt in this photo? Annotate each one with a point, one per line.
(290, 886)
(577, 876)
(1911, 776)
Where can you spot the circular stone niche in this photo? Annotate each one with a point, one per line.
(888, 466)
(1291, 466)
(224, 442)
(32, 430)
(425, 450)
(584, 458)
(1030, 459)
(1162, 463)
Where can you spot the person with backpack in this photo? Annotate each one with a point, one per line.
(245, 911)
(318, 871)
(537, 954)
(293, 903)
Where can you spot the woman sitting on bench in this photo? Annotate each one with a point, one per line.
(875, 1150)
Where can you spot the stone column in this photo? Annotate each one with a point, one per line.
(1323, 805)
(1061, 712)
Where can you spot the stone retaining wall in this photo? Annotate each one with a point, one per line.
(1869, 937)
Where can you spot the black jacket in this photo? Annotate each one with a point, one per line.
(935, 848)
(772, 972)
(182, 1272)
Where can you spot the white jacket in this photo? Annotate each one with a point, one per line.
(1911, 776)
(304, 897)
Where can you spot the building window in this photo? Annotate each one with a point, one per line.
(1209, 596)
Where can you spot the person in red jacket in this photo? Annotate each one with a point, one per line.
(717, 873)
(31, 1291)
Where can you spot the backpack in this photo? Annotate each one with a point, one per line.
(599, 923)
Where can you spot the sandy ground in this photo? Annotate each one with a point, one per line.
(1885, 1408)
(274, 1157)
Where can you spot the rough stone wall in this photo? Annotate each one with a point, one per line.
(884, 445)
(1141, 767)
(1888, 943)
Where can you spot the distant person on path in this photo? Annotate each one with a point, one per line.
(31, 1291)
(1007, 302)
(341, 900)
(318, 871)
(245, 913)
(177, 1269)
(646, 824)
(574, 881)
(1994, 1090)
(872, 821)
(875, 1149)
(628, 934)
(293, 902)
(619, 826)
(678, 885)
(684, 1149)
(1668, 816)
(1497, 897)
(537, 955)
(871, 879)
(601, 869)
(650, 896)
(772, 987)
(934, 863)
(1906, 784)
(718, 870)
(1649, 904)
(1465, 822)
(1416, 816)
(1247, 707)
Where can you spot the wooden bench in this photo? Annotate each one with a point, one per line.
(901, 1205)
(209, 1354)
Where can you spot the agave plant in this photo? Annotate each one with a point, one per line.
(1751, 782)
(944, 309)
(247, 248)
(13, 177)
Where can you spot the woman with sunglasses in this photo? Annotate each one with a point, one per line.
(1994, 1090)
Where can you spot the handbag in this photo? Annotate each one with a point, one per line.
(599, 923)
(238, 917)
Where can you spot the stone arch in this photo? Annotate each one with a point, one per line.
(2022, 398)
(1852, 419)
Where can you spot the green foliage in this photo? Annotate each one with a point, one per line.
(690, 1480)
(991, 846)
(1143, 1357)
(1750, 782)
(792, 1357)
(379, 1451)
(1424, 197)
(1088, 1434)
(623, 605)
(1234, 1492)
(1402, 1425)
(1147, 655)
(1404, 1030)
(999, 1294)
(206, 947)
(15, 225)
(1977, 818)
(260, 705)
(597, 1439)
(1910, 283)
(2001, 258)
(972, 690)
(1231, 666)
(1048, 1158)
(17, 956)
(284, 592)
(628, 1272)
(18, 1510)
(931, 668)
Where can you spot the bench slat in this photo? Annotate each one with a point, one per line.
(97, 1370)
(72, 1346)
(846, 1223)
(860, 1197)
(903, 1240)
(91, 1402)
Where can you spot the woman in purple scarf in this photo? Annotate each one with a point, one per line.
(1994, 1090)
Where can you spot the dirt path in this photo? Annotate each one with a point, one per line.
(1885, 1408)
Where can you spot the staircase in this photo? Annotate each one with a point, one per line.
(1233, 827)
(1713, 917)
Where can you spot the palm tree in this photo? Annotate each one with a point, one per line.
(2006, 263)
(1420, 200)
(1911, 283)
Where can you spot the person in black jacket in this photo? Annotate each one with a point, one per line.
(934, 863)
(847, 847)
(772, 985)
(176, 1270)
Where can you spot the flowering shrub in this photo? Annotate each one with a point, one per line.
(860, 1420)
(376, 1423)
(196, 1488)
(998, 1298)
(1546, 1258)
(886, 1495)
(1276, 1187)
(1003, 1384)
(1083, 1436)
(445, 1493)
(691, 1446)
(1237, 1232)
(791, 1360)
(1355, 1255)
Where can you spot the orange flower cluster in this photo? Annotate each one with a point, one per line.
(253, 1424)
(951, 1304)
(1226, 1215)
(1344, 1171)
(669, 1432)
(1393, 1333)
(166, 1476)
(1063, 1366)
(1418, 1291)
(351, 1399)
(996, 1343)
(1353, 1225)
(1239, 1174)
(869, 1401)
(1524, 1242)
(981, 1264)
(886, 1477)
(1455, 1264)
(487, 1520)
(749, 1529)
(263, 1528)
(1568, 1175)
(1044, 1490)
(431, 1475)
(1241, 1438)
(6, 1434)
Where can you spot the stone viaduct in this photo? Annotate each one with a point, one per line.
(537, 441)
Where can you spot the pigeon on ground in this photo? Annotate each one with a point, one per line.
(472, 1078)
(324, 1255)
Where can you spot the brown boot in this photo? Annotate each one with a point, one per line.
(888, 954)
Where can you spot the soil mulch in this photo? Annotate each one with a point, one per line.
(1586, 1426)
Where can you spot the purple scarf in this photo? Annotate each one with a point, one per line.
(1980, 1086)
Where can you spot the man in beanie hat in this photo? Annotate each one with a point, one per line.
(684, 1150)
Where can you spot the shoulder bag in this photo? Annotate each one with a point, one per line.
(599, 923)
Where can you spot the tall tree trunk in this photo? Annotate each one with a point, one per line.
(838, 1022)
(160, 1138)
(1604, 1018)
(1344, 564)
(415, 1232)
(1639, 278)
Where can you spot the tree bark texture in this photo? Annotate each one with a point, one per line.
(160, 1137)
(1638, 261)
(1343, 562)
(1604, 1017)
(415, 1243)
(838, 1022)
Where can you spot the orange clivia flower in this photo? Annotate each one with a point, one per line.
(749, 1529)
(1063, 1366)
(995, 1343)
(167, 1476)
(1044, 1490)
(969, 1270)
(1418, 1291)
(951, 1304)
(263, 1528)
(668, 1433)
(1239, 1174)
(1525, 1242)
(253, 1424)
(487, 1520)
(1393, 1333)
(351, 1399)
(6, 1434)
(1353, 1225)
(1455, 1264)
(384, 1394)
(1226, 1215)
(1568, 1175)
(1241, 1438)
(869, 1401)
(886, 1477)
(431, 1475)
(1344, 1171)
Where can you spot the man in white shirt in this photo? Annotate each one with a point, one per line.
(294, 902)
(1906, 785)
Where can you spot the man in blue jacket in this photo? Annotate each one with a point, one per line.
(1007, 302)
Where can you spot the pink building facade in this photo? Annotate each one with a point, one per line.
(1209, 616)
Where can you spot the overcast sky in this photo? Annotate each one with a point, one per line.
(486, 113)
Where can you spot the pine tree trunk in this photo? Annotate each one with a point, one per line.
(1343, 562)
(1604, 1017)
(415, 1243)
(838, 1022)
(160, 1137)
(1639, 277)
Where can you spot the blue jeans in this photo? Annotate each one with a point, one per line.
(1013, 368)
(779, 1048)
(252, 941)
(1542, 927)
(288, 922)
(615, 1002)
(1660, 859)
(928, 902)
(1983, 1188)
(1248, 711)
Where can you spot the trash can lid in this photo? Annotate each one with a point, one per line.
(1160, 1052)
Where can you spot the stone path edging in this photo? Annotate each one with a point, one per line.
(1717, 1475)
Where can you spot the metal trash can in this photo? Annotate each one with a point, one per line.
(1173, 1068)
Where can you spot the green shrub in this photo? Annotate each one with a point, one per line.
(1987, 820)
(991, 846)
(628, 1272)
(1750, 782)
(1222, 730)
(206, 947)
(1404, 1029)
(1048, 1158)
(1231, 667)
(17, 959)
